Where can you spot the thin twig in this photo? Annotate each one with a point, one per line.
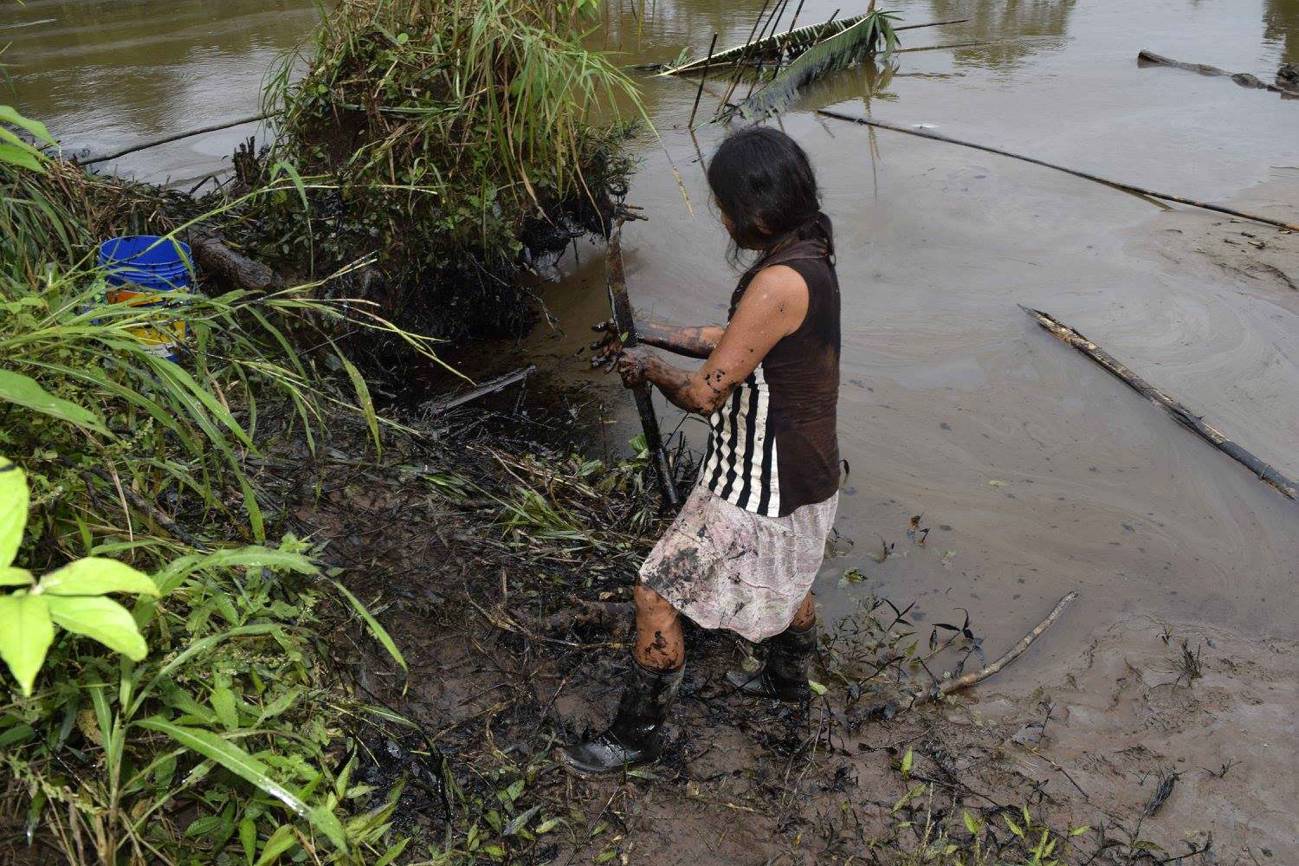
(700, 92)
(947, 687)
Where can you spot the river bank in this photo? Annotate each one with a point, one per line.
(497, 551)
(515, 631)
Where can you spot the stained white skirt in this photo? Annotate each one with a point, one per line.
(725, 567)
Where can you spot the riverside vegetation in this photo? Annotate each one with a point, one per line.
(185, 709)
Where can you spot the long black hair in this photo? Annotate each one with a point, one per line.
(764, 184)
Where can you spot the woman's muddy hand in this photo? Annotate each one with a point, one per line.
(606, 349)
(632, 366)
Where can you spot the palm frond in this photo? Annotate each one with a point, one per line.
(836, 52)
(786, 44)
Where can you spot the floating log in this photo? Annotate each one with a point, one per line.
(1180, 413)
(1126, 187)
(1244, 79)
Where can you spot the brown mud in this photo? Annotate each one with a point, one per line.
(506, 665)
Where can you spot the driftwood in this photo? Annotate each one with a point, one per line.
(948, 686)
(234, 268)
(491, 386)
(169, 139)
(1180, 413)
(1126, 187)
(620, 306)
(1244, 79)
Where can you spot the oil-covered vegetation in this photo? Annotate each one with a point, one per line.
(460, 143)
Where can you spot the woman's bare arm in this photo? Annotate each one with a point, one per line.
(692, 341)
(773, 307)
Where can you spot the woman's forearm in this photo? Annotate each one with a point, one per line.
(684, 389)
(694, 341)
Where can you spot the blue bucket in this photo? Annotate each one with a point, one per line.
(139, 270)
(147, 261)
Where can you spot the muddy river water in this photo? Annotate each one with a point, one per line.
(1034, 470)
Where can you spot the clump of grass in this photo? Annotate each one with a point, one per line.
(466, 139)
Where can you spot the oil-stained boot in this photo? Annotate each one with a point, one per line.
(636, 735)
(784, 676)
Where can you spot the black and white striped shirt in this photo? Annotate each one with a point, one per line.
(740, 466)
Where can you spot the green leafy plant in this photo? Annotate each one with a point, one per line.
(71, 597)
(17, 151)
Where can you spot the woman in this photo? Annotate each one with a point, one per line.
(749, 540)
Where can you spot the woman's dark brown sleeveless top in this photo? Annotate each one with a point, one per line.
(774, 446)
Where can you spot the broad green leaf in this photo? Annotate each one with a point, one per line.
(13, 509)
(971, 823)
(393, 853)
(8, 114)
(16, 734)
(99, 618)
(96, 576)
(21, 155)
(817, 688)
(250, 769)
(13, 576)
(26, 391)
(281, 840)
(1078, 831)
(379, 632)
(907, 759)
(248, 839)
(223, 702)
(25, 636)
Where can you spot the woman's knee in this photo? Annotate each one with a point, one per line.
(650, 604)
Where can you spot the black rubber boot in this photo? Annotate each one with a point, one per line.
(636, 735)
(784, 676)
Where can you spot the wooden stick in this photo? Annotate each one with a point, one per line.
(491, 386)
(744, 53)
(700, 92)
(620, 305)
(1180, 413)
(1244, 79)
(1126, 187)
(169, 139)
(948, 686)
(776, 15)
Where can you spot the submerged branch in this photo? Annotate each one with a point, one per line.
(1126, 187)
(1180, 413)
(1244, 79)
